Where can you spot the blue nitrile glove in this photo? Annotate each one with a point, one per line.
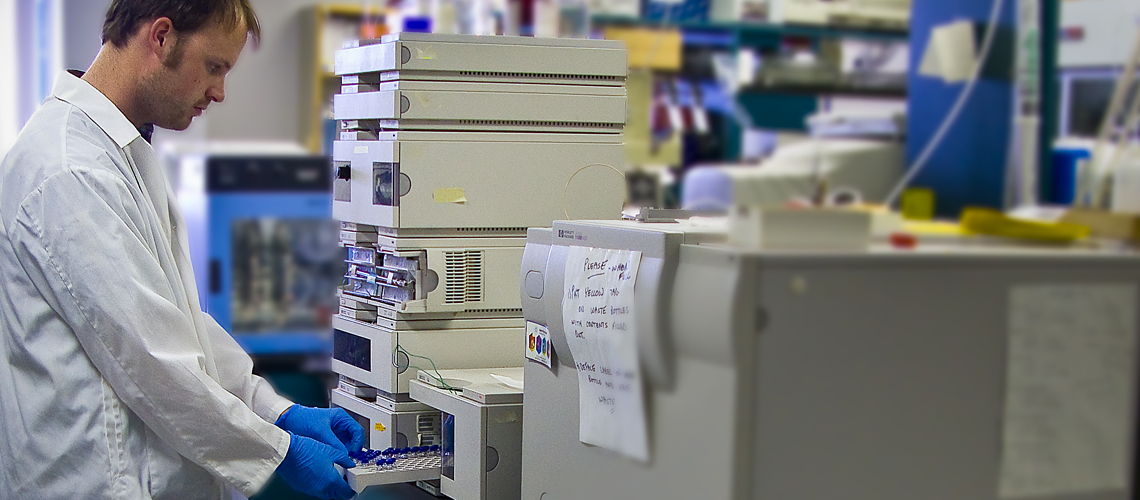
(308, 468)
(331, 426)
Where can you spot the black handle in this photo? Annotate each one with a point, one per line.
(215, 276)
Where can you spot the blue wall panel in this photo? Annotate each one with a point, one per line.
(969, 166)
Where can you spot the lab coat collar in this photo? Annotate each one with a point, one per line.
(98, 107)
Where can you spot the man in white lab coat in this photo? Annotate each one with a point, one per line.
(113, 383)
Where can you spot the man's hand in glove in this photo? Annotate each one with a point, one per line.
(331, 426)
(308, 468)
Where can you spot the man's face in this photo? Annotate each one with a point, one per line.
(192, 75)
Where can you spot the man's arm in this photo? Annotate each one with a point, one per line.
(86, 244)
(235, 373)
(332, 426)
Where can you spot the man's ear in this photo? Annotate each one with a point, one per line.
(161, 37)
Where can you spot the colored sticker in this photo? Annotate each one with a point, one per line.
(537, 343)
(380, 427)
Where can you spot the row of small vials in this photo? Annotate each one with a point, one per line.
(390, 455)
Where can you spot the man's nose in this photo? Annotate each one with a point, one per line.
(217, 93)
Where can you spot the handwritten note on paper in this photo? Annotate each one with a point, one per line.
(597, 315)
(1069, 390)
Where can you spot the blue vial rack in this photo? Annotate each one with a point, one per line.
(393, 466)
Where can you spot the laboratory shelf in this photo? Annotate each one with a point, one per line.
(775, 107)
(778, 110)
(758, 33)
(836, 90)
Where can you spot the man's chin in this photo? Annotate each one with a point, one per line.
(179, 125)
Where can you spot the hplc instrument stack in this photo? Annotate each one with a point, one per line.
(450, 147)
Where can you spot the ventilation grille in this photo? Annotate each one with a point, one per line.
(464, 277)
(427, 429)
(487, 311)
(488, 229)
(427, 423)
(609, 78)
(539, 123)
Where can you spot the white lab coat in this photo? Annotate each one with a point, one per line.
(113, 383)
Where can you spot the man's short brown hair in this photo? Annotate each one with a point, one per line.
(125, 16)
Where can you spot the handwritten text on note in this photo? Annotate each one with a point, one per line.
(1069, 390)
(597, 315)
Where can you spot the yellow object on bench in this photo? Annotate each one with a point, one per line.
(994, 223)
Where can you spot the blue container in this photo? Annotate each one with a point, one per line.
(1064, 173)
(686, 11)
(417, 24)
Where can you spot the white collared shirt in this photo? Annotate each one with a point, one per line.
(113, 383)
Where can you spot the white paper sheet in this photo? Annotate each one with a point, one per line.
(598, 318)
(1069, 390)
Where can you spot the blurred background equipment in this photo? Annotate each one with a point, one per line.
(850, 160)
(264, 245)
